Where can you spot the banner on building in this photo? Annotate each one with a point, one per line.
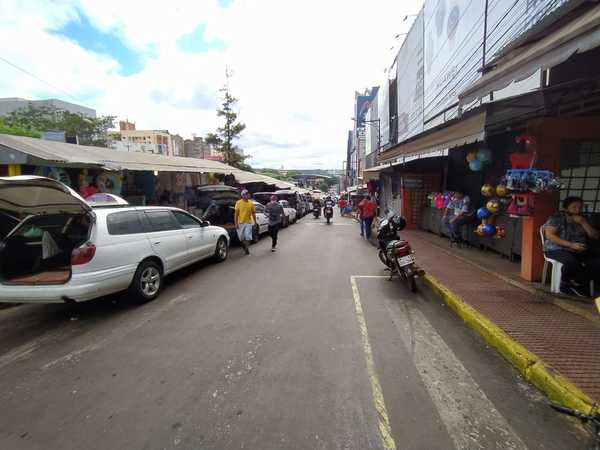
(383, 108)
(453, 51)
(409, 73)
(509, 19)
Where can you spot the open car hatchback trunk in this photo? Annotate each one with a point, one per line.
(43, 221)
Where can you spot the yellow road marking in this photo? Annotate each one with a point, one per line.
(382, 416)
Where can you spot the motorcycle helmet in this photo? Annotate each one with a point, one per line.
(398, 222)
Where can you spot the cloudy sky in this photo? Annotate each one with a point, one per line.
(295, 64)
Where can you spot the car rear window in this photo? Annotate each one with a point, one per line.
(125, 222)
(162, 221)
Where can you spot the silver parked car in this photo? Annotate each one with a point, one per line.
(56, 247)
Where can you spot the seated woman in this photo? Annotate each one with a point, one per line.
(568, 238)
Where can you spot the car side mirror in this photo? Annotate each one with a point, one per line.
(205, 223)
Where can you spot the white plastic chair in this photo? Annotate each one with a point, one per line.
(556, 271)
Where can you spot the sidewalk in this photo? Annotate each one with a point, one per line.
(554, 342)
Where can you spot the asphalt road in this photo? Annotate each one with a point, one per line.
(306, 348)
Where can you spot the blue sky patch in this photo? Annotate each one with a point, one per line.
(86, 35)
(194, 42)
(225, 3)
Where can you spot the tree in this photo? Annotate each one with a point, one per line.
(224, 139)
(14, 130)
(89, 130)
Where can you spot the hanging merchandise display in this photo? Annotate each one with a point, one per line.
(472, 156)
(483, 213)
(475, 165)
(448, 197)
(484, 155)
(494, 206)
(521, 205)
(487, 190)
(56, 173)
(109, 182)
(501, 190)
(489, 229)
(500, 233)
(526, 155)
(531, 180)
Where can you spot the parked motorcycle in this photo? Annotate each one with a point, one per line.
(317, 211)
(328, 213)
(395, 253)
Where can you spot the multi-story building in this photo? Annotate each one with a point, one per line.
(177, 145)
(11, 104)
(147, 141)
(196, 147)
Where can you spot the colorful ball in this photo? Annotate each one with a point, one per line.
(483, 213)
(475, 165)
(489, 229)
(479, 230)
(487, 190)
(493, 206)
(471, 156)
(501, 190)
(484, 155)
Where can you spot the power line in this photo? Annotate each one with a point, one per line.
(56, 88)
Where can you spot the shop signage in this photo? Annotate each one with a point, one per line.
(412, 183)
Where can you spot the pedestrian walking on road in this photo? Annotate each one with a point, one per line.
(368, 211)
(359, 212)
(275, 213)
(245, 217)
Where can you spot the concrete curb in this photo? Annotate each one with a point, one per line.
(531, 367)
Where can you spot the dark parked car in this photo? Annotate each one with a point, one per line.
(216, 204)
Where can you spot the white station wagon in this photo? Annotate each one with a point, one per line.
(55, 247)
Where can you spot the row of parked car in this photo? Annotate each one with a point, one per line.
(57, 247)
(216, 204)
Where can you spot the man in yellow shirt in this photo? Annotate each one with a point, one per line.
(245, 217)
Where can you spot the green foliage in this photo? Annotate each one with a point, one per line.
(89, 131)
(324, 186)
(224, 139)
(15, 130)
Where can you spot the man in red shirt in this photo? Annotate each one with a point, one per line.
(342, 204)
(368, 209)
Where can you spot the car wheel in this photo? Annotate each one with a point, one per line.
(146, 283)
(221, 251)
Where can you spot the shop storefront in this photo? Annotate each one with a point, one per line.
(140, 178)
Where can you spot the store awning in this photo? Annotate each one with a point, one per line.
(579, 35)
(62, 153)
(461, 132)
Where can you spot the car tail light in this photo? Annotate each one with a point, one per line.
(83, 255)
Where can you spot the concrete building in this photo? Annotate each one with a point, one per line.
(177, 145)
(8, 105)
(196, 148)
(147, 141)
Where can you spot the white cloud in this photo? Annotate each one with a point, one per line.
(296, 66)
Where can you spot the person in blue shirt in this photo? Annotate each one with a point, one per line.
(457, 213)
(568, 240)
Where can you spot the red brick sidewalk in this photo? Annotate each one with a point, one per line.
(568, 343)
